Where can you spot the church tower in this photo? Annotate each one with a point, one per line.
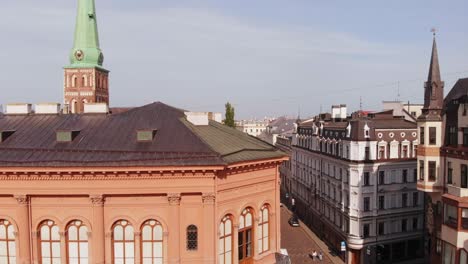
(86, 81)
(430, 163)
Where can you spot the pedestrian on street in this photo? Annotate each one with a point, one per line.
(314, 255)
(320, 256)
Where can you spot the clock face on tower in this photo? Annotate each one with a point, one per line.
(79, 55)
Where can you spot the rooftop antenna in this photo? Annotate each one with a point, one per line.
(398, 91)
(360, 103)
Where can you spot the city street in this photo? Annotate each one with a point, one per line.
(301, 242)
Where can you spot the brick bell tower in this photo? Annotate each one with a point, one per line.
(85, 80)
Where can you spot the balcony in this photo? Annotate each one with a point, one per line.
(457, 191)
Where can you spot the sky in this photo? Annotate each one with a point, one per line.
(266, 57)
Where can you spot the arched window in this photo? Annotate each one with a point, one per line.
(7, 242)
(263, 230)
(123, 243)
(192, 237)
(49, 242)
(245, 235)
(73, 81)
(85, 80)
(77, 243)
(152, 242)
(225, 241)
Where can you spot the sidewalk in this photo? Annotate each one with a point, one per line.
(323, 247)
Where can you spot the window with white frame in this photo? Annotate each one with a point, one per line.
(123, 243)
(49, 242)
(7, 242)
(77, 243)
(152, 242)
(264, 230)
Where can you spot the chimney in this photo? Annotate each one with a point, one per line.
(18, 109)
(96, 108)
(335, 111)
(343, 111)
(197, 118)
(218, 117)
(47, 108)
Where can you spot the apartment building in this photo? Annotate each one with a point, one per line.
(442, 165)
(353, 179)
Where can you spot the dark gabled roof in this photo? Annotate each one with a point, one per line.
(460, 89)
(110, 140)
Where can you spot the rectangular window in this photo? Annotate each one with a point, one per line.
(405, 152)
(421, 135)
(432, 135)
(405, 176)
(450, 215)
(404, 223)
(366, 179)
(381, 177)
(464, 218)
(404, 198)
(465, 137)
(449, 172)
(366, 204)
(381, 202)
(464, 176)
(366, 153)
(415, 199)
(452, 137)
(381, 152)
(381, 228)
(449, 253)
(421, 170)
(415, 175)
(365, 231)
(432, 170)
(415, 223)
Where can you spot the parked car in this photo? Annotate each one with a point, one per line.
(293, 221)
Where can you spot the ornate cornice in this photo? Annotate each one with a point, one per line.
(22, 199)
(103, 175)
(97, 199)
(173, 198)
(209, 198)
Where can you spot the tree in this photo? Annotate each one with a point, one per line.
(229, 118)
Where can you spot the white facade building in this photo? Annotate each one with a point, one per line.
(252, 127)
(354, 180)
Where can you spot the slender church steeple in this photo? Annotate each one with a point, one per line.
(86, 81)
(434, 87)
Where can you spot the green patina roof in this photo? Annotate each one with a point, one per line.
(233, 145)
(86, 51)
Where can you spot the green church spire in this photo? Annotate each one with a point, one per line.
(86, 51)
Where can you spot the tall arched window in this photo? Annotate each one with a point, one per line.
(49, 242)
(123, 243)
(152, 242)
(225, 241)
(73, 80)
(263, 230)
(245, 235)
(7, 242)
(85, 80)
(77, 243)
(192, 237)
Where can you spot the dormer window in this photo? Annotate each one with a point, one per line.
(66, 135)
(4, 135)
(146, 135)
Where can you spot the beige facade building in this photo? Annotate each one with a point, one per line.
(442, 167)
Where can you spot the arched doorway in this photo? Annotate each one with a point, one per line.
(245, 235)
